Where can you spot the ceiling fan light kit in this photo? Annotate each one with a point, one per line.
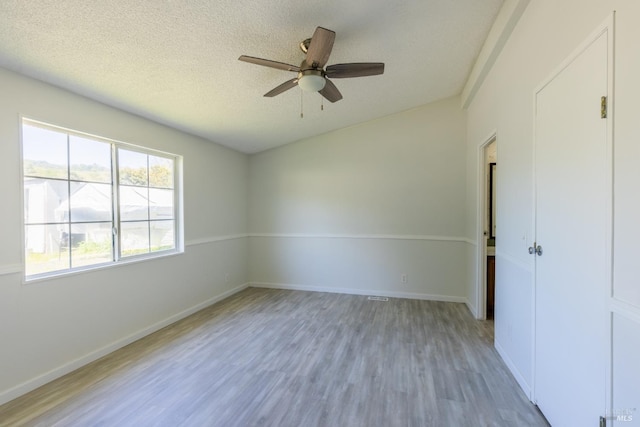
(311, 80)
(312, 77)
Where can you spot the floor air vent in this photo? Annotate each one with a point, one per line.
(378, 298)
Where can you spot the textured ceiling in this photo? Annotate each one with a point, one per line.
(176, 61)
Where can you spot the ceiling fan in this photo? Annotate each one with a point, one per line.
(312, 76)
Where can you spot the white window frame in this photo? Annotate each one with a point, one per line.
(118, 259)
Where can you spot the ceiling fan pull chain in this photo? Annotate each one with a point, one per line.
(301, 105)
(321, 103)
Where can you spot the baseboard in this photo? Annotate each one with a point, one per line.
(471, 308)
(43, 379)
(351, 291)
(513, 369)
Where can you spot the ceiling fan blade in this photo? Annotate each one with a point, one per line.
(269, 63)
(283, 87)
(331, 92)
(320, 47)
(341, 71)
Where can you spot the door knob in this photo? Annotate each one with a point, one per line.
(535, 250)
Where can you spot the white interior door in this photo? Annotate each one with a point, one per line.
(573, 225)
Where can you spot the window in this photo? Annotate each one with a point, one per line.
(89, 201)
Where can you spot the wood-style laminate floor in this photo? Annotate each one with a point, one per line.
(290, 358)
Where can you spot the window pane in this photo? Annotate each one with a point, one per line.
(160, 172)
(132, 168)
(90, 159)
(91, 244)
(162, 235)
(44, 152)
(46, 248)
(160, 204)
(45, 200)
(134, 238)
(90, 202)
(134, 203)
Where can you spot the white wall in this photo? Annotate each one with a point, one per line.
(354, 209)
(49, 327)
(547, 33)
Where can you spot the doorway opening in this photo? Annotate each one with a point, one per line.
(487, 227)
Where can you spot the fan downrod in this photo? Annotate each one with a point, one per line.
(304, 45)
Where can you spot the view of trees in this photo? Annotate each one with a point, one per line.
(44, 169)
(159, 175)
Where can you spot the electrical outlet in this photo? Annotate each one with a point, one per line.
(404, 278)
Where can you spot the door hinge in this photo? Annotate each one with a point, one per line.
(603, 107)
